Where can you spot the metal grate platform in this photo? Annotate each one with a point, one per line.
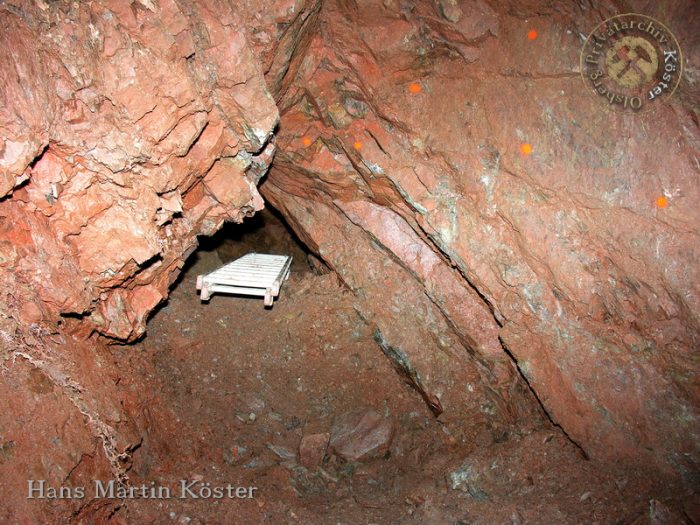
(255, 274)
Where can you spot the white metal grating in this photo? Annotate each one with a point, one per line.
(257, 274)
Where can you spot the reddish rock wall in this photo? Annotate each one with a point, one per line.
(128, 129)
(400, 164)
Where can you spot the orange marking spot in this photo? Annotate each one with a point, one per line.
(662, 202)
(306, 141)
(526, 149)
(415, 88)
(531, 34)
(357, 145)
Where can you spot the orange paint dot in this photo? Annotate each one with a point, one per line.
(526, 149)
(306, 141)
(415, 88)
(662, 202)
(532, 34)
(357, 145)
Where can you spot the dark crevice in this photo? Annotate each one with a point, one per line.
(402, 365)
(265, 232)
(581, 450)
(29, 167)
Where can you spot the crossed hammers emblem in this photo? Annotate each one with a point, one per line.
(632, 62)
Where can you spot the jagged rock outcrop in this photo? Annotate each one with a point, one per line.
(400, 163)
(129, 128)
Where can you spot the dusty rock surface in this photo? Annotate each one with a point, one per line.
(400, 146)
(130, 128)
(312, 449)
(360, 434)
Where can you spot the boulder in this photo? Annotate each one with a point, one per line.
(361, 434)
(312, 449)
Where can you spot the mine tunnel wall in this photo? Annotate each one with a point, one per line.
(560, 259)
(133, 128)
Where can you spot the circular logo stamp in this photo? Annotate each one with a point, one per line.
(632, 62)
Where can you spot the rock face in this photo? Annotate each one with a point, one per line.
(129, 129)
(402, 163)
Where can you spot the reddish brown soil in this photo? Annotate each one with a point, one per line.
(235, 386)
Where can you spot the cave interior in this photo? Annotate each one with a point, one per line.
(493, 309)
